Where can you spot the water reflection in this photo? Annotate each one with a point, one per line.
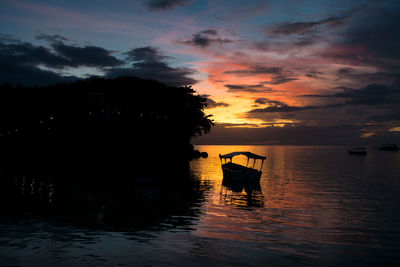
(100, 203)
(313, 206)
(241, 194)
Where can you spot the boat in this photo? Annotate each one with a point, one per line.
(233, 171)
(358, 151)
(389, 147)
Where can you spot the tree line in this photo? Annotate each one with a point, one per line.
(98, 119)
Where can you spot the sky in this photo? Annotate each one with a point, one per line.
(275, 72)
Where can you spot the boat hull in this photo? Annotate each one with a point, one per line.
(235, 172)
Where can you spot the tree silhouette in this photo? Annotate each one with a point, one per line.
(101, 118)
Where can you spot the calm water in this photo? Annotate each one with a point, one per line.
(313, 206)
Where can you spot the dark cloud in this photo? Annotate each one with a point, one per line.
(326, 116)
(374, 107)
(205, 38)
(271, 103)
(371, 39)
(262, 45)
(280, 79)
(373, 94)
(344, 72)
(261, 101)
(368, 77)
(280, 109)
(145, 54)
(279, 75)
(314, 74)
(157, 5)
(28, 64)
(288, 44)
(276, 106)
(292, 28)
(307, 27)
(20, 63)
(76, 56)
(256, 70)
(250, 88)
(283, 44)
(213, 104)
(149, 63)
(288, 36)
(23, 53)
(379, 24)
(306, 41)
(371, 106)
(90, 56)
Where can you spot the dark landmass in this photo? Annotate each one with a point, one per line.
(123, 124)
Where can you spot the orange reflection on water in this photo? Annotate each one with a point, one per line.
(279, 192)
(285, 197)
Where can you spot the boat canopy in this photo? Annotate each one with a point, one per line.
(248, 154)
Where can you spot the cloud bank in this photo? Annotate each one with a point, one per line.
(28, 64)
(159, 5)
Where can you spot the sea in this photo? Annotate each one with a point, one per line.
(313, 206)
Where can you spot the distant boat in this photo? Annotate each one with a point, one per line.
(358, 151)
(233, 171)
(389, 147)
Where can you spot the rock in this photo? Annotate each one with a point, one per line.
(204, 155)
(196, 154)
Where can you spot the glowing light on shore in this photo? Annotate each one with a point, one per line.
(367, 135)
(395, 129)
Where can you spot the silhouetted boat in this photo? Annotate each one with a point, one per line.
(233, 171)
(358, 151)
(389, 147)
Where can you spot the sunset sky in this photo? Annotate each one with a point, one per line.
(275, 72)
